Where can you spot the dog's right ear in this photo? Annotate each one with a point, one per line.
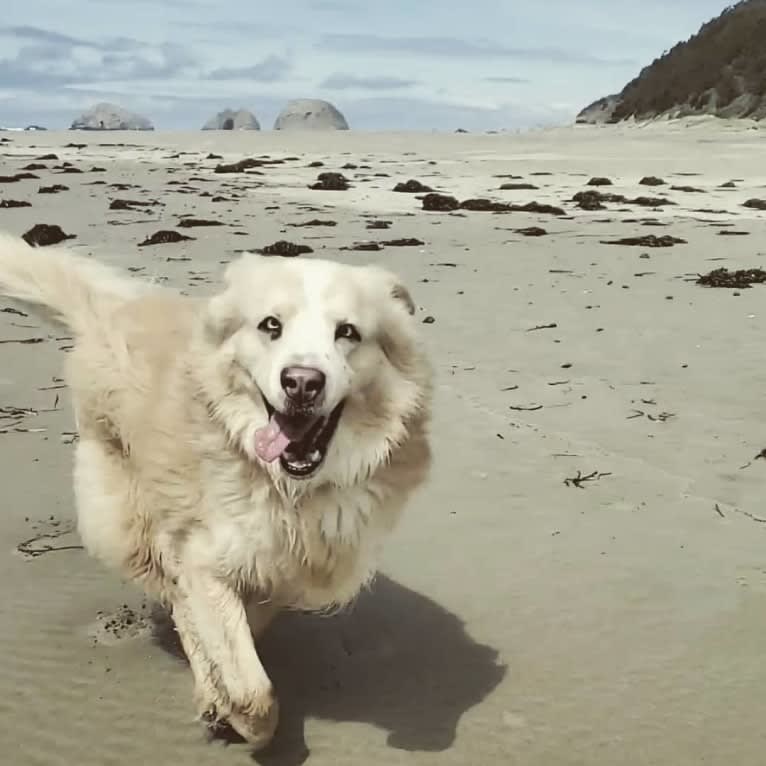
(235, 271)
(222, 318)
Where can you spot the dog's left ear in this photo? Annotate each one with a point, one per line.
(395, 287)
(400, 293)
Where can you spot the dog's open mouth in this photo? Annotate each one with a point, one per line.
(300, 440)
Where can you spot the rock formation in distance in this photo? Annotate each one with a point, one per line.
(231, 119)
(110, 117)
(310, 114)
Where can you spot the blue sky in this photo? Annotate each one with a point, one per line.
(396, 64)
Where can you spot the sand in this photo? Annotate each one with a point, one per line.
(519, 618)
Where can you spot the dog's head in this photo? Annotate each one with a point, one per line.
(316, 367)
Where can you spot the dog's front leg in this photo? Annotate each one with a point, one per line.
(212, 704)
(245, 695)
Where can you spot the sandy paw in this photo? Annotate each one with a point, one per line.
(256, 721)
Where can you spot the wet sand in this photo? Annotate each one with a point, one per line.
(583, 581)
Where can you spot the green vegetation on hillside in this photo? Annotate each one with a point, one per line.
(724, 63)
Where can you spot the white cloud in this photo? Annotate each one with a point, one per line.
(490, 63)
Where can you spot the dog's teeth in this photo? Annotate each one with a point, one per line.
(315, 456)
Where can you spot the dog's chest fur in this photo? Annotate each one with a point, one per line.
(309, 551)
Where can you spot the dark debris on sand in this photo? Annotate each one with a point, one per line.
(403, 242)
(284, 249)
(191, 223)
(43, 234)
(599, 181)
(443, 202)
(9, 203)
(164, 237)
(314, 222)
(651, 181)
(238, 167)
(378, 225)
(518, 187)
(532, 231)
(365, 246)
(594, 200)
(17, 177)
(484, 205)
(412, 186)
(54, 189)
(688, 189)
(440, 202)
(330, 182)
(129, 204)
(741, 279)
(755, 204)
(647, 240)
(538, 207)
(651, 201)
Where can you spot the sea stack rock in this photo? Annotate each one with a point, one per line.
(230, 119)
(110, 117)
(310, 114)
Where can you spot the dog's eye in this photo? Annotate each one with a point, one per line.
(272, 326)
(347, 332)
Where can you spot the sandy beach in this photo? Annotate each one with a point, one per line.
(599, 592)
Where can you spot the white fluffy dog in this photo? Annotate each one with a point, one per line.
(237, 454)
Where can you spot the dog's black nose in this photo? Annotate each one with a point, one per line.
(303, 385)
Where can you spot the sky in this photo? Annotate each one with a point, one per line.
(391, 65)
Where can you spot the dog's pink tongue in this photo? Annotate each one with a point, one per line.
(270, 441)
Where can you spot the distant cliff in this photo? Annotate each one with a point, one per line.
(719, 71)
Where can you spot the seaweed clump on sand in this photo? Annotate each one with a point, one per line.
(285, 249)
(164, 237)
(440, 202)
(413, 186)
(403, 242)
(189, 223)
(330, 182)
(43, 234)
(239, 167)
(740, 279)
(648, 240)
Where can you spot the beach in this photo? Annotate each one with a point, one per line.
(583, 579)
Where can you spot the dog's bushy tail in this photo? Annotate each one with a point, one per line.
(68, 289)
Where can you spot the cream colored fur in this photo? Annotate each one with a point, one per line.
(166, 392)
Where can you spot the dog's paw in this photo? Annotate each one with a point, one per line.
(256, 721)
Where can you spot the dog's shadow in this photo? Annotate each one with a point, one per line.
(396, 660)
